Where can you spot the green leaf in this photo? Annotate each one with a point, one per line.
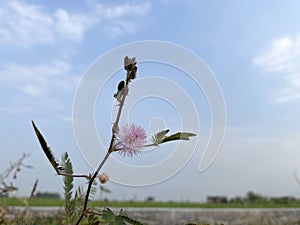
(118, 221)
(45, 148)
(111, 218)
(108, 215)
(159, 137)
(178, 136)
(127, 219)
(130, 220)
(68, 186)
(93, 220)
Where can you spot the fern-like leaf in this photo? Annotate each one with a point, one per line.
(129, 220)
(93, 189)
(159, 137)
(68, 186)
(111, 218)
(45, 148)
(178, 136)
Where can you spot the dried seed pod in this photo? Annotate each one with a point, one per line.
(121, 85)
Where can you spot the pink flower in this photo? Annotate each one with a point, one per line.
(130, 140)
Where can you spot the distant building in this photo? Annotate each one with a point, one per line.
(216, 199)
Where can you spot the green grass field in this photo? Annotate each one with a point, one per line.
(127, 204)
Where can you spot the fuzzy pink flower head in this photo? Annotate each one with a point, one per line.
(130, 140)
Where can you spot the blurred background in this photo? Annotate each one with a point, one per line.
(252, 47)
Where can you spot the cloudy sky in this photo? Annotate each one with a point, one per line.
(252, 47)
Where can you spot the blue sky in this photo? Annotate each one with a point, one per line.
(253, 48)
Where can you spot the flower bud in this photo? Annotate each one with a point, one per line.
(103, 178)
(127, 62)
(133, 73)
(133, 61)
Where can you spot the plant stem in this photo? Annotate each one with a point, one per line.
(90, 186)
(150, 145)
(121, 105)
(74, 175)
(110, 150)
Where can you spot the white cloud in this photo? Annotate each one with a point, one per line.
(116, 19)
(294, 79)
(28, 24)
(286, 95)
(70, 26)
(127, 9)
(282, 57)
(38, 79)
(24, 23)
(119, 28)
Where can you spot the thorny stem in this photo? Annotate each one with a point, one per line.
(110, 150)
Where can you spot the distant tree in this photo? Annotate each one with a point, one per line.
(47, 195)
(150, 199)
(255, 198)
(251, 196)
(237, 200)
(283, 200)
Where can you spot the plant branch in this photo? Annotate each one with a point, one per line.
(17, 164)
(110, 150)
(116, 124)
(129, 65)
(33, 189)
(74, 175)
(90, 186)
(94, 213)
(151, 145)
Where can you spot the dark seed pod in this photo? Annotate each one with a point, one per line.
(121, 85)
